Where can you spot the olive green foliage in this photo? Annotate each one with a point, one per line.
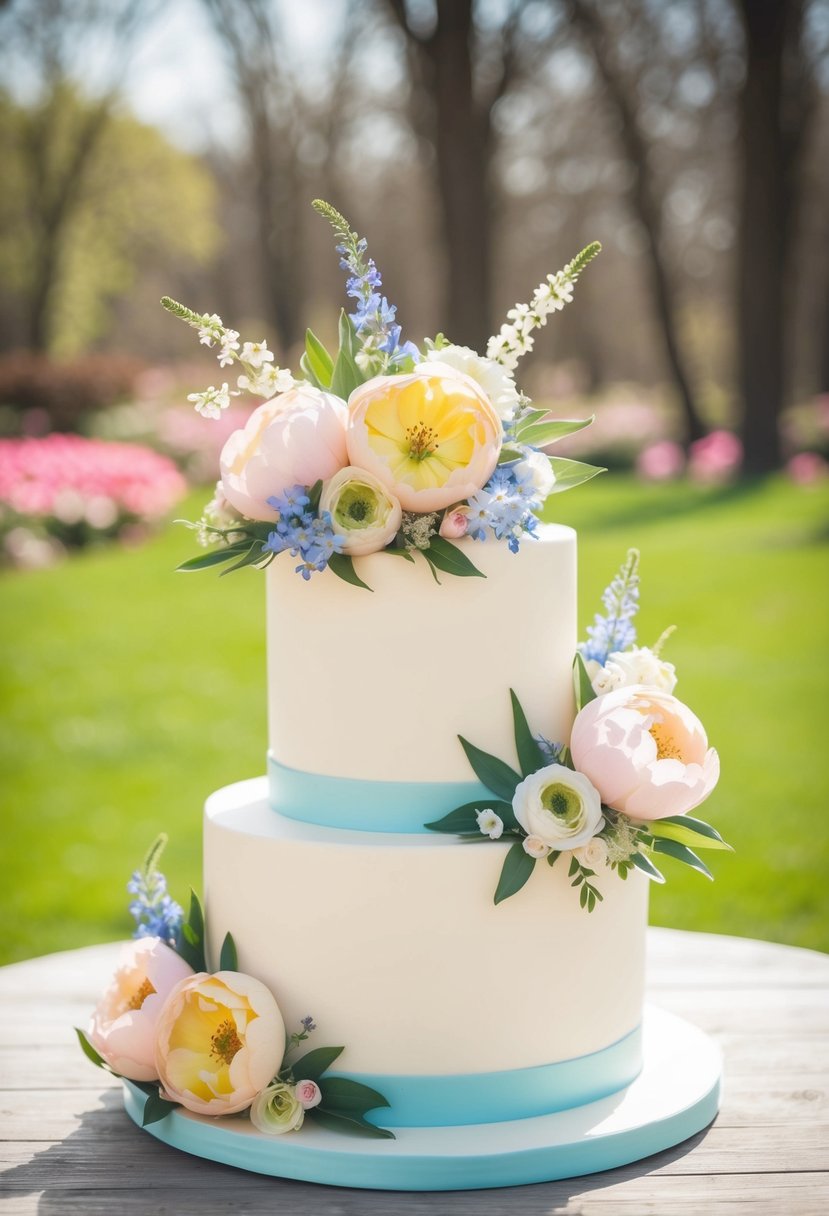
(135, 203)
(130, 692)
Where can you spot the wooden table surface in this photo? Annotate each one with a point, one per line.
(68, 1146)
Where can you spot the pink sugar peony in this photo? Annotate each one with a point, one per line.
(646, 753)
(298, 438)
(123, 1026)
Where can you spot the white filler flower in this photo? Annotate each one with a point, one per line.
(490, 824)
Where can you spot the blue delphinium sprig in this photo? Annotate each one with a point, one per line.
(553, 753)
(505, 507)
(302, 533)
(156, 913)
(373, 317)
(615, 631)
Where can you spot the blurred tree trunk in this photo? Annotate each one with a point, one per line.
(251, 39)
(644, 199)
(774, 106)
(458, 128)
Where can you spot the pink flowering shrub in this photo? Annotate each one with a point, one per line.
(662, 461)
(63, 490)
(716, 457)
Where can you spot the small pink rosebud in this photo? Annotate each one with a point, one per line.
(455, 523)
(308, 1094)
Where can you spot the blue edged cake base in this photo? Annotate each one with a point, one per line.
(675, 1096)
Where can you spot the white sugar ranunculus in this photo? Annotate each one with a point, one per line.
(362, 510)
(647, 753)
(296, 439)
(560, 807)
(592, 855)
(536, 466)
(277, 1110)
(496, 381)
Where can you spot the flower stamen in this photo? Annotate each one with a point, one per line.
(225, 1042)
(422, 441)
(140, 995)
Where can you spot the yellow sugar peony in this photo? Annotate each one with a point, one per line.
(430, 436)
(219, 1042)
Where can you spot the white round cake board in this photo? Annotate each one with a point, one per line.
(675, 1096)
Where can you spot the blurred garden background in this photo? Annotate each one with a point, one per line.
(173, 148)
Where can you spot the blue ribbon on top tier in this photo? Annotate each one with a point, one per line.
(366, 806)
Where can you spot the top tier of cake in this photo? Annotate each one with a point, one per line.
(377, 686)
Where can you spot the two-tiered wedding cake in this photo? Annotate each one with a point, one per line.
(445, 870)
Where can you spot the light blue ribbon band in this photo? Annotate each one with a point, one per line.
(366, 806)
(498, 1097)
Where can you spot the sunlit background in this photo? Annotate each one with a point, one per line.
(154, 149)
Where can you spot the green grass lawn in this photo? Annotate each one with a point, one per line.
(130, 693)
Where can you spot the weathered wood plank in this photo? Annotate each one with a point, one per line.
(774, 1150)
(780, 1195)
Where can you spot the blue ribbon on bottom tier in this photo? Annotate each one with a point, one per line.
(498, 1097)
(366, 806)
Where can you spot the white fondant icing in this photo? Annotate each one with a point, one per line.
(395, 947)
(378, 686)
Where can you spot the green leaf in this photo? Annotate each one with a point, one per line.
(346, 375)
(671, 848)
(508, 455)
(585, 692)
(91, 1054)
(313, 1064)
(318, 359)
(156, 1108)
(314, 496)
(254, 554)
(228, 960)
(517, 868)
(449, 558)
(463, 820)
(190, 939)
(494, 773)
(337, 1122)
(424, 553)
(540, 434)
(202, 561)
(348, 1097)
(395, 552)
(306, 369)
(570, 473)
(343, 566)
(530, 755)
(686, 830)
(642, 863)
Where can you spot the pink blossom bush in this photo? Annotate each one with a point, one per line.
(661, 461)
(806, 468)
(716, 457)
(67, 489)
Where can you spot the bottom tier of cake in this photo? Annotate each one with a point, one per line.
(675, 1096)
(458, 1010)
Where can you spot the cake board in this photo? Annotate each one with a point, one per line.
(675, 1096)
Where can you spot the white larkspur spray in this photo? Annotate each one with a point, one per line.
(212, 401)
(256, 354)
(496, 380)
(489, 823)
(560, 808)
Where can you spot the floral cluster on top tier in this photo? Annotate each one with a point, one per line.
(637, 762)
(213, 1042)
(382, 445)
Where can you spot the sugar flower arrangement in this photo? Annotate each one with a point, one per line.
(213, 1042)
(382, 445)
(637, 762)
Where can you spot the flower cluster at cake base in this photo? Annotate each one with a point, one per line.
(212, 1042)
(637, 763)
(394, 448)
